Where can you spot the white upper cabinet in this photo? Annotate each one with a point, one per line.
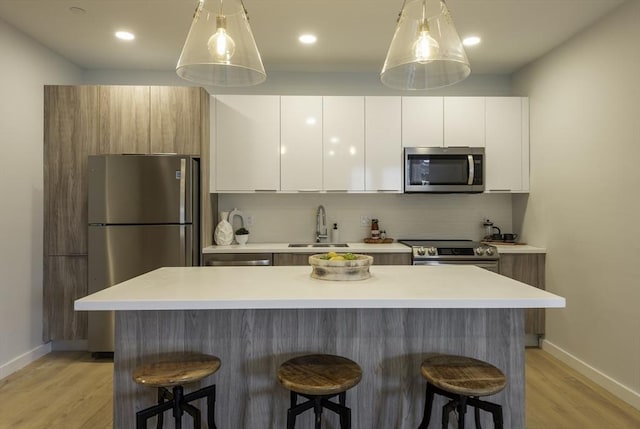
(422, 122)
(507, 144)
(301, 143)
(343, 143)
(464, 121)
(383, 135)
(247, 143)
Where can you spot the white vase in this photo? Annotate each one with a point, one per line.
(242, 238)
(223, 234)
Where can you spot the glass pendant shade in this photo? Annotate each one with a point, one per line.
(426, 51)
(220, 49)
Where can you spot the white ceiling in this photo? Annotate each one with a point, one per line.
(353, 34)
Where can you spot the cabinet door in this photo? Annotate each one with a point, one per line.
(383, 144)
(343, 143)
(527, 268)
(507, 144)
(291, 259)
(175, 119)
(464, 121)
(422, 122)
(124, 119)
(247, 143)
(391, 258)
(301, 143)
(70, 134)
(65, 280)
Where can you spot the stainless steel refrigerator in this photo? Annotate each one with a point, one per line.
(144, 213)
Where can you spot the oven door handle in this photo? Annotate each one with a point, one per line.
(471, 170)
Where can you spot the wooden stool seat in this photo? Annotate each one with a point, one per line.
(319, 378)
(319, 374)
(173, 371)
(176, 369)
(463, 380)
(463, 375)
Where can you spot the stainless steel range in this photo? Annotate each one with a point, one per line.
(453, 252)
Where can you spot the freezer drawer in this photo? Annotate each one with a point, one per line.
(120, 252)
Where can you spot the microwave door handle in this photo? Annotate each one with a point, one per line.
(471, 170)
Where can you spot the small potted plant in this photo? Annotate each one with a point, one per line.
(242, 235)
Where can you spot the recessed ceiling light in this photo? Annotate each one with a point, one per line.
(308, 39)
(471, 41)
(125, 35)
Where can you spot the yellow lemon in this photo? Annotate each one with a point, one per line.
(337, 258)
(332, 254)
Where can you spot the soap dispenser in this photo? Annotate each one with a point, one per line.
(335, 234)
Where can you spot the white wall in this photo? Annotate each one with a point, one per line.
(26, 68)
(307, 83)
(292, 218)
(585, 195)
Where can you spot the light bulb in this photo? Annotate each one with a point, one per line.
(425, 47)
(221, 46)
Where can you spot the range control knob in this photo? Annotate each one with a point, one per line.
(479, 251)
(420, 251)
(432, 251)
(490, 251)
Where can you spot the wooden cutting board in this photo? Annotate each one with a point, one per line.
(505, 243)
(378, 240)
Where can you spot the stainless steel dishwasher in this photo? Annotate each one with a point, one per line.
(237, 259)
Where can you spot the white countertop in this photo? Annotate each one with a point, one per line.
(408, 286)
(518, 248)
(284, 248)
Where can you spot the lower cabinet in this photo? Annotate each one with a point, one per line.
(527, 268)
(378, 258)
(65, 280)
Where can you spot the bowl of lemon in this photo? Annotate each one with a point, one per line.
(340, 266)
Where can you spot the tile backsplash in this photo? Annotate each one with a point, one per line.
(292, 217)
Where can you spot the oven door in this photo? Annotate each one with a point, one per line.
(444, 169)
(487, 265)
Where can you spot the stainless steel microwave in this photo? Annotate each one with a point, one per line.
(444, 169)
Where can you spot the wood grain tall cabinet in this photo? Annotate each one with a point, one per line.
(91, 120)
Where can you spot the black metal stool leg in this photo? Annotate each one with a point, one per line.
(291, 416)
(477, 417)
(160, 401)
(345, 413)
(317, 409)
(428, 405)
(497, 417)
(446, 410)
(178, 394)
(211, 409)
(194, 413)
(462, 410)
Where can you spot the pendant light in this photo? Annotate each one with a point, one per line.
(426, 51)
(220, 49)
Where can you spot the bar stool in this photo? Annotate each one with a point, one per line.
(319, 378)
(463, 380)
(175, 371)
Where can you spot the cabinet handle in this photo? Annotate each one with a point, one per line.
(388, 190)
(265, 190)
(499, 190)
(308, 190)
(337, 190)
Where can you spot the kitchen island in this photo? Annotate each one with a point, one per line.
(256, 318)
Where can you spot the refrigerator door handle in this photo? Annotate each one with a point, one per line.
(183, 208)
(183, 190)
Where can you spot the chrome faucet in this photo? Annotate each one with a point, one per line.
(321, 224)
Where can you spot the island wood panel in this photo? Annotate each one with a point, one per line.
(389, 345)
(124, 119)
(70, 134)
(175, 119)
(527, 268)
(378, 258)
(65, 280)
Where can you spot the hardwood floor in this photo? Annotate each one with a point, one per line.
(69, 390)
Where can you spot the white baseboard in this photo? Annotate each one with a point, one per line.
(616, 388)
(24, 360)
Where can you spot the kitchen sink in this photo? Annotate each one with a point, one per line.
(319, 245)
